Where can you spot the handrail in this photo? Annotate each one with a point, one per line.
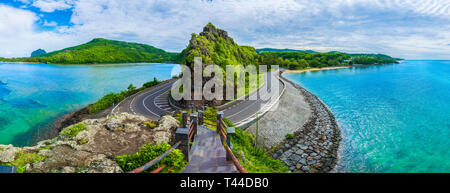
(191, 133)
(236, 161)
(223, 135)
(157, 170)
(156, 160)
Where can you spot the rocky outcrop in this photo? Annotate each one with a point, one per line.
(7, 153)
(93, 149)
(214, 46)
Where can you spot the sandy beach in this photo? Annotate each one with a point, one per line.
(316, 69)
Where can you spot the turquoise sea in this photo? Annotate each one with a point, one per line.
(32, 96)
(394, 118)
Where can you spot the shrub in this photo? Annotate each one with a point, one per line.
(147, 153)
(289, 136)
(23, 158)
(149, 124)
(105, 102)
(82, 141)
(131, 87)
(151, 83)
(73, 130)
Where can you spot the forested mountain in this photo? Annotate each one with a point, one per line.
(283, 50)
(101, 50)
(301, 60)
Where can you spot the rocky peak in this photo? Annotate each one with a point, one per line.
(38, 52)
(212, 33)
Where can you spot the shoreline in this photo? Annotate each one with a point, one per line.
(316, 69)
(320, 122)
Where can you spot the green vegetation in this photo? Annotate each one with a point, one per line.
(82, 141)
(283, 50)
(301, 60)
(149, 124)
(47, 147)
(23, 158)
(114, 98)
(253, 159)
(147, 153)
(73, 130)
(101, 50)
(289, 136)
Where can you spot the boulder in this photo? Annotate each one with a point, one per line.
(8, 153)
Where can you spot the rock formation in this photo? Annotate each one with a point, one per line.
(93, 149)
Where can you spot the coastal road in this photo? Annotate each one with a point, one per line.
(246, 110)
(154, 103)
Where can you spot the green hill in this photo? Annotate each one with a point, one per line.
(101, 50)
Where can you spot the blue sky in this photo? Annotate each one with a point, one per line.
(411, 29)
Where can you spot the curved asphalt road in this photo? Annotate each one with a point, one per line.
(154, 103)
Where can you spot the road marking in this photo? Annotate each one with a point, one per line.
(156, 92)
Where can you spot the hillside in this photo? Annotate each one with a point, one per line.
(101, 50)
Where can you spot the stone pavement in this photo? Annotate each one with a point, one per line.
(208, 154)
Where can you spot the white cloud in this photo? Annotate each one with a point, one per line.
(402, 28)
(19, 37)
(49, 5)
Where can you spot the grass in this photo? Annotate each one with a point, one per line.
(253, 159)
(73, 130)
(289, 136)
(23, 158)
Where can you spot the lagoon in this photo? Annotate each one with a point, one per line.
(394, 118)
(33, 96)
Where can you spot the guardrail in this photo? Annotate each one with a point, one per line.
(225, 134)
(183, 136)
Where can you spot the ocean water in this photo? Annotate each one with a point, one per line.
(394, 118)
(32, 96)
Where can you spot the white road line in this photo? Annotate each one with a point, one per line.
(143, 102)
(154, 102)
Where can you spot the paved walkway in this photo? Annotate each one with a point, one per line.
(208, 154)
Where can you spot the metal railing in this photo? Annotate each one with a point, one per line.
(225, 133)
(184, 136)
